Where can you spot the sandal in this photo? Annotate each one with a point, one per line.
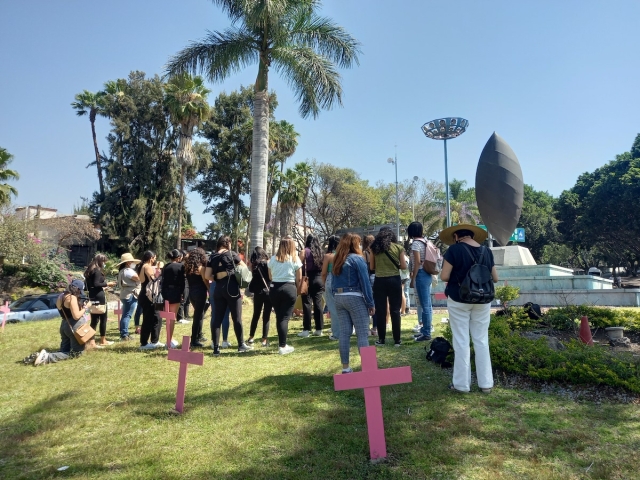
(264, 344)
(250, 341)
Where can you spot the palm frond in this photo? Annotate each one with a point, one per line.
(217, 56)
(312, 76)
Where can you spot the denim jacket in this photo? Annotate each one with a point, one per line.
(354, 277)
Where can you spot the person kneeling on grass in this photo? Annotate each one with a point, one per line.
(72, 309)
(353, 295)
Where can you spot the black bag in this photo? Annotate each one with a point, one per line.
(533, 310)
(477, 285)
(439, 349)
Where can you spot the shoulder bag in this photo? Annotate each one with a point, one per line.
(303, 287)
(82, 331)
(242, 273)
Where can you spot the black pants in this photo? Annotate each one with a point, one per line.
(313, 300)
(101, 317)
(198, 299)
(283, 297)
(151, 322)
(227, 295)
(388, 288)
(261, 304)
(183, 309)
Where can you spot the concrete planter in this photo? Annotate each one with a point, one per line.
(615, 332)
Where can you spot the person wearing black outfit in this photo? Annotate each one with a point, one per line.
(226, 294)
(260, 289)
(173, 282)
(195, 266)
(151, 322)
(96, 283)
(312, 259)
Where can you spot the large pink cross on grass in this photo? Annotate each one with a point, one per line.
(118, 311)
(371, 379)
(184, 356)
(4, 309)
(170, 317)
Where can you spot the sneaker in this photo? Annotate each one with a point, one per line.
(417, 328)
(31, 358)
(216, 352)
(304, 333)
(285, 350)
(244, 348)
(423, 338)
(250, 341)
(183, 321)
(226, 344)
(125, 339)
(333, 337)
(197, 345)
(202, 339)
(398, 344)
(380, 342)
(160, 345)
(41, 358)
(347, 370)
(485, 390)
(317, 333)
(148, 346)
(173, 344)
(105, 344)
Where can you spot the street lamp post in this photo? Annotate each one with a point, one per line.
(413, 208)
(444, 129)
(395, 162)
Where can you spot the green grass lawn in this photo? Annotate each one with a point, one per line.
(265, 416)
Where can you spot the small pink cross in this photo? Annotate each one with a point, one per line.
(184, 356)
(118, 311)
(4, 309)
(170, 317)
(371, 379)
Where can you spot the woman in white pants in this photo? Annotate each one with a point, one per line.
(467, 318)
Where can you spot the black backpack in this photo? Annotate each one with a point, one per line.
(439, 349)
(477, 285)
(533, 310)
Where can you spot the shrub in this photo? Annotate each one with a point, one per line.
(47, 273)
(565, 318)
(507, 293)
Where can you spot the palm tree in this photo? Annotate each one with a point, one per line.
(186, 99)
(289, 36)
(292, 187)
(304, 170)
(92, 104)
(463, 208)
(6, 190)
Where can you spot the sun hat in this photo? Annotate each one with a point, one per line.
(79, 284)
(446, 235)
(127, 258)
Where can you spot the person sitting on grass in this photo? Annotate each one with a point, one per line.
(72, 307)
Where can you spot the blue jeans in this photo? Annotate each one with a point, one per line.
(353, 313)
(331, 305)
(423, 289)
(128, 308)
(225, 320)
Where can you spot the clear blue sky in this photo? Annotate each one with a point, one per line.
(557, 79)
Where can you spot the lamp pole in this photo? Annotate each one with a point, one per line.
(395, 162)
(413, 208)
(444, 129)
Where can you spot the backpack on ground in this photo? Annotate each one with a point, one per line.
(154, 292)
(438, 351)
(477, 285)
(533, 310)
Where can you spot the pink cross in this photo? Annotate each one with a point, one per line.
(170, 317)
(118, 311)
(4, 309)
(371, 379)
(184, 356)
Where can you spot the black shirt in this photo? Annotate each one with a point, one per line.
(260, 278)
(96, 282)
(221, 262)
(459, 255)
(173, 279)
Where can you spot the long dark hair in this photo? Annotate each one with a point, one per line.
(197, 258)
(148, 255)
(98, 262)
(258, 256)
(383, 241)
(334, 240)
(313, 244)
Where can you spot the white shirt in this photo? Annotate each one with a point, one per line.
(284, 271)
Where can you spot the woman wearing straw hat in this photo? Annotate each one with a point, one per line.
(465, 318)
(129, 284)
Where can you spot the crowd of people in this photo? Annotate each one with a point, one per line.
(361, 281)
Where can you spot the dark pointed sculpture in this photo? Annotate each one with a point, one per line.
(499, 188)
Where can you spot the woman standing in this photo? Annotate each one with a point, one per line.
(173, 283)
(353, 295)
(151, 322)
(285, 273)
(311, 259)
(226, 293)
(96, 283)
(387, 261)
(465, 318)
(194, 267)
(129, 284)
(71, 308)
(367, 253)
(260, 288)
(327, 279)
(422, 249)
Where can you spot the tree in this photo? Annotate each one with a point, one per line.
(289, 36)
(292, 186)
(186, 99)
(539, 222)
(89, 103)
(462, 202)
(6, 174)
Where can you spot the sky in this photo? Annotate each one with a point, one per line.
(558, 80)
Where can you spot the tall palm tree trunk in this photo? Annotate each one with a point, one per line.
(259, 165)
(181, 207)
(92, 118)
